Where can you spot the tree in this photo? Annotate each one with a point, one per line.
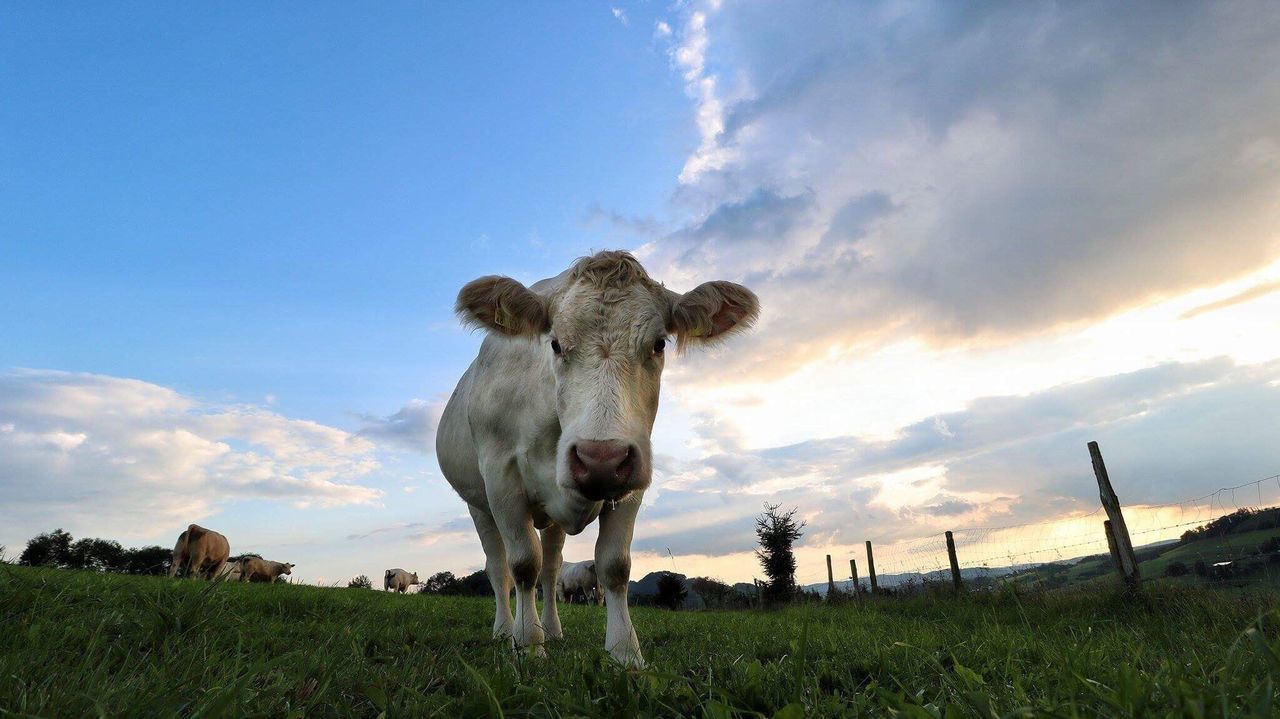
(100, 555)
(671, 592)
(777, 532)
(360, 582)
(51, 549)
(147, 560)
(440, 583)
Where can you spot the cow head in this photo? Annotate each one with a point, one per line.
(413, 578)
(603, 332)
(286, 568)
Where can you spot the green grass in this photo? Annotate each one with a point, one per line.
(83, 644)
(1236, 545)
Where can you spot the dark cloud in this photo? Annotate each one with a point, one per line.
(959, 172)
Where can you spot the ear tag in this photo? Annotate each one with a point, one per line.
(500, 317)
(698, 332)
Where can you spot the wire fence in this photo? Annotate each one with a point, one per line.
(1228, 536)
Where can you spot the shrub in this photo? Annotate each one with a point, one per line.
(1176, 569)
(360, 582)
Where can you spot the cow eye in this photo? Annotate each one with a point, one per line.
(555, 347)
(659, 345)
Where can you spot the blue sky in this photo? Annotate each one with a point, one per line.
(232, 239)
(286, 203)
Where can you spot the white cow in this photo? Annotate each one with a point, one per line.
(549, 428)
(578, 578)
(398, 580)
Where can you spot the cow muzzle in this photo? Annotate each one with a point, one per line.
(603, 469)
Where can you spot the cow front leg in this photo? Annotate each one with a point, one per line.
(524, 556)
(613, 572)
(495, 565)
(552, 544)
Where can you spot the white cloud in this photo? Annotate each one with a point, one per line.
(412, 427)
(1170, 433)
(620, 15)
(124, 456)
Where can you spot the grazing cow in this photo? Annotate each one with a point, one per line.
(257, 569)
(200, 552)
(398, 580)
(578, 578)
(549, 427)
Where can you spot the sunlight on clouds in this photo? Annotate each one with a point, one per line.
(874, 394)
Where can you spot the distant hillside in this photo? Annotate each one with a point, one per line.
(1245, 546)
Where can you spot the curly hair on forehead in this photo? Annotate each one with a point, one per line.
(611, 269)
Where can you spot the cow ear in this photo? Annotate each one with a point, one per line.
(502, 305)
(712, 311)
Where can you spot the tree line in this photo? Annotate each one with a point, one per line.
(59, 549)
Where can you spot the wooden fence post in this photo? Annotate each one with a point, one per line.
(1119, 530)
(871, 569)
(831, 580)
(955, 564)
(1111, 546)
(853, 574)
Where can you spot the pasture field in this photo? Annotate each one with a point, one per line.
(84, 644)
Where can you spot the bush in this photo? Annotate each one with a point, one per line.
(360, 582)
(1176, 569)
(718, 595)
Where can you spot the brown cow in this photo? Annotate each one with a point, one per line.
(257, 569)
(201, 552)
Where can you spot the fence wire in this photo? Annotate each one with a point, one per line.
(1230, 534)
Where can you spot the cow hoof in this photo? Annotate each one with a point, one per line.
(534, 650)
(628, 657)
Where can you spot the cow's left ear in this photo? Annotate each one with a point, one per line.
(712, 311)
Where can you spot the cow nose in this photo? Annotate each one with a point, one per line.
(601, 468)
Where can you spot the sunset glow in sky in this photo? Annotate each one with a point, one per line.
(982, 235)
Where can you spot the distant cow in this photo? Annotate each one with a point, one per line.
(549, 428)
(578, 579)
(257, 569)
(398, 580)
(200, 552)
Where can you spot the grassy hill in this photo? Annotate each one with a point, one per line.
(1248, 539)
(79, 643)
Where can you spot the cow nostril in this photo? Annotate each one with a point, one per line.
(576, 465)
(625, 467)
